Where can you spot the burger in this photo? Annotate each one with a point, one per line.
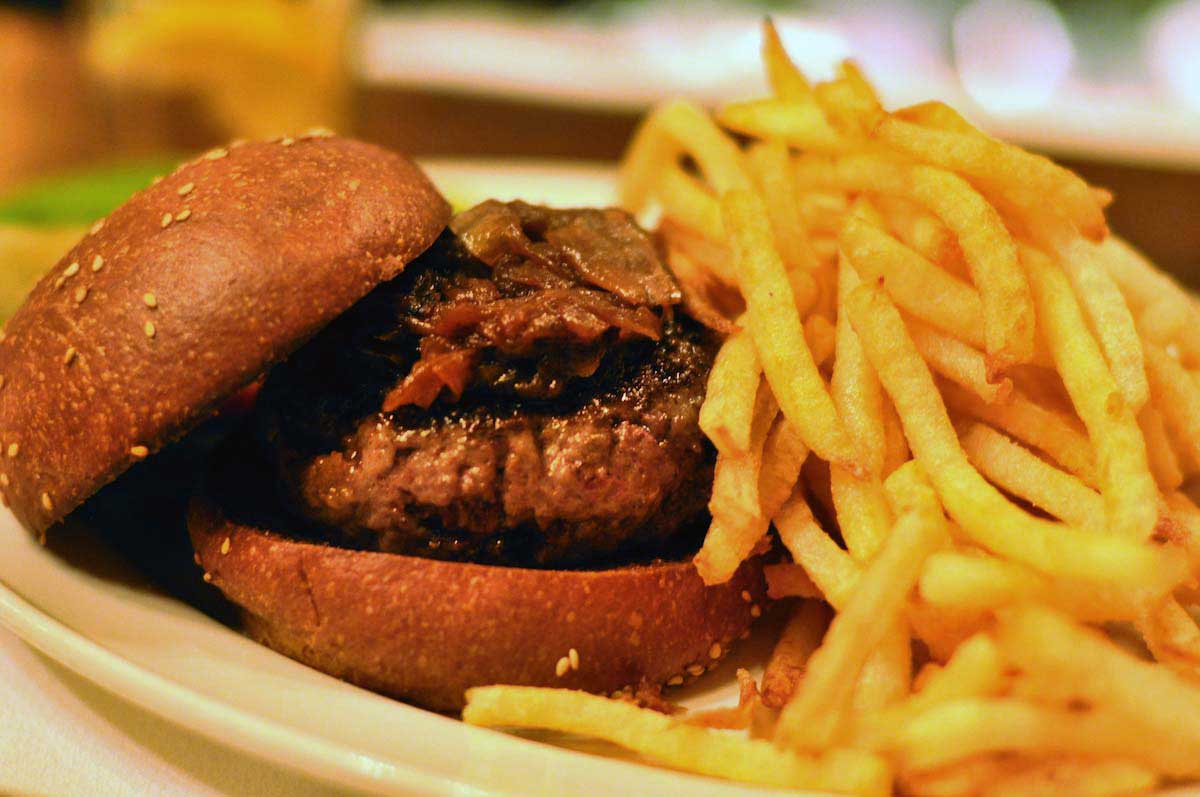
(465, 448)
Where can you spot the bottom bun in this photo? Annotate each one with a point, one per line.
(425, 630)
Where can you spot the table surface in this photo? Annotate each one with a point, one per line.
(62, 735)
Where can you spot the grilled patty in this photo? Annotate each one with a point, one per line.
(499, 402)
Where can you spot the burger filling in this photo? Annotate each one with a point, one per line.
(524, 393)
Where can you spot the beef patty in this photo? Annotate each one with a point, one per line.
(523, 394)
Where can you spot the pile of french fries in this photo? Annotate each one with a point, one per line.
(969, 414)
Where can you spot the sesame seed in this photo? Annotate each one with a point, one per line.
(237, 142)
(755, 611)
(695, 670)
(216, 154)
(139, 452)
(746, 595)
(97, 263)
(183, 215)
(58, 283)
(69, 356)
(225, 546)
(186, 189)
(318, 132)
(80, 294)
(167, 219)
(560, 669)
(158, 179)
(47, 504)
(150, 299)
(675, 680)
(97, 227)
(287, 141)
(573, 656)
(13, 449)
(4, 480)
(715, 651)
(354, 184)
(149, 329)
(71, 270)
(208, 578)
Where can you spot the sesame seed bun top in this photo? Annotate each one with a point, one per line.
(188, 292)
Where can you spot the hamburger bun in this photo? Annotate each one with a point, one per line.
(424, 630)
(185, 294)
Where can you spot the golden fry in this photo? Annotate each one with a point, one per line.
(673, 742)
(800, 637)
(1129, 491)
(1018, 471)
(958, 362)
(786, 80)
(816, 717)
(915, 284)
(728, 408)
(986, 244)
(979, 509)
(773, 321)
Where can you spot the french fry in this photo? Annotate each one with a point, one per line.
(799, 123)
(975, 670)
(768, 161)
(730, 540)
(1076, 776)
(829, 567)
(1177, 397)
(686, 200)
(789, 581)
(786, 80)
(1053, 433)
(800, 637)
(1155, 708)
(855, 387)
(977, 583)
(896, 451)
(1173, 637)
(961, 729)
(1109, 317)
(1034, 184)
(1153, 293)
(816, 716)
(1130, 493)
(673, 742)
(921, 288)
(709, 253)
(958, 362)
(975, 505)
(669, 131)
(923, 232)
(775, 326)
(849, 100)
(821, 337)
(735, 497)
(728, 408)
(886, 674)
(1014, 468)
(986, 244)
(1164, 463)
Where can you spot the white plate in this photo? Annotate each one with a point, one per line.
(96, 616)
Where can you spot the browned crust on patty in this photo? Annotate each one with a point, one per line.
(187, 292)
(424, 630)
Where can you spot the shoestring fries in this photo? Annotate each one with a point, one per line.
(968, 419)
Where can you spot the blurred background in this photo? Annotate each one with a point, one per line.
(97, 97)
